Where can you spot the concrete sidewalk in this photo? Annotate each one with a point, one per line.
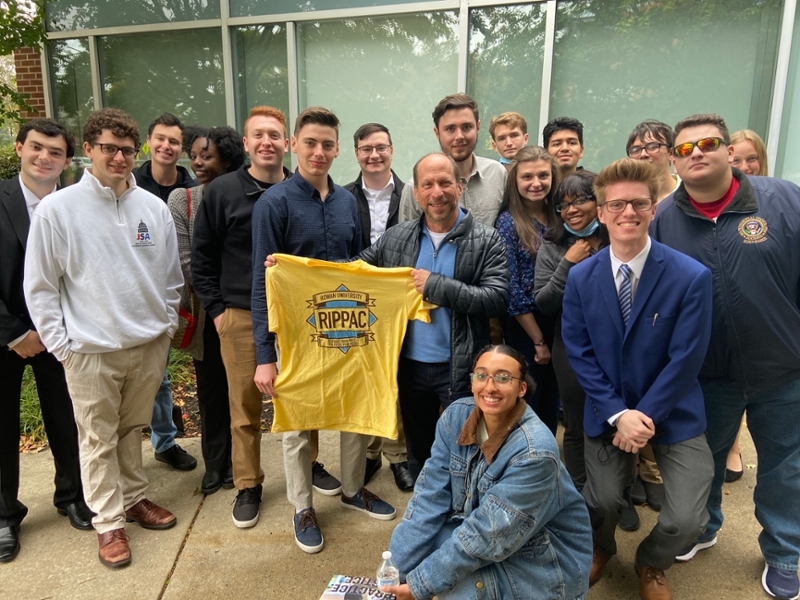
(206, 558)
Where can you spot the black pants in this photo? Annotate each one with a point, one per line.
(544, 401)
(573, 401)
(212, 396)
(424, 391)
(59, 423)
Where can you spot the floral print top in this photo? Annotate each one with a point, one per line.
(521, 265)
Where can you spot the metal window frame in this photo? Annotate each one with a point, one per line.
(226, 22)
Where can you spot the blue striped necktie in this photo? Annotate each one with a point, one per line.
(625, 293)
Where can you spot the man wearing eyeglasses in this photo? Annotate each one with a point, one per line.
(377, 190)
(651, 140)
(747, 231)
(102, 283)
(651, 307)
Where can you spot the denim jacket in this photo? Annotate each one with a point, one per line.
(511, 528)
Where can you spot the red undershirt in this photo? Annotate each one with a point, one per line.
(714, 209)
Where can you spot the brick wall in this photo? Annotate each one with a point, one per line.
(28, 64)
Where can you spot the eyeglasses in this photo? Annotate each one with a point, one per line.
(380, 149)
(562, 206)
(639, 205)
(111, 150)
(651, 148)
(708, 144)
(499, 378)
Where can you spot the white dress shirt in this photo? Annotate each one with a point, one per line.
(378, 201)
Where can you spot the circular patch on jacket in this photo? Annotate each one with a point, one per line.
(753, 230)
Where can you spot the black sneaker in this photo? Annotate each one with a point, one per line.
(324, 482)
(245, 510)
(177, 458)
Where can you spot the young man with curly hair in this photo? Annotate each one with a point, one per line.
(102, 283)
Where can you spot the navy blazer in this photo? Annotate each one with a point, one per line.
(652, 363)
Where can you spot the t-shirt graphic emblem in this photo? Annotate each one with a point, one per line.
(143, 236)
(342, 319)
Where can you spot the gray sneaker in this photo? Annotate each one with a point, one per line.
(245, 510)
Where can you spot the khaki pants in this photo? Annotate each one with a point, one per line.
(393, 450)
(297, 464)
(238, 350)
(112, 396)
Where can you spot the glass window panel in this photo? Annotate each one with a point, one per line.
(248, 8)
(506, 47)
(68, 15)
(788, 158)
(618, 63)
(390, 70)
(151, 73)
(71, 84)
(260, 68)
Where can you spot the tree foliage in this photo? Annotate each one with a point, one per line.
(21, 26)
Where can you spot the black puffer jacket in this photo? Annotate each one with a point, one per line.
(478, 291)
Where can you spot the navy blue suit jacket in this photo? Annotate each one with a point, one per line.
(652, 364)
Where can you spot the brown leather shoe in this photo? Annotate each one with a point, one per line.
(653, 583)
(114, 551)
(150, 515)
(599, 560)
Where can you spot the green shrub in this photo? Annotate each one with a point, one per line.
(9, 162)
(181, 372)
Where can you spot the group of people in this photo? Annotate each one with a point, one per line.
(652, 309)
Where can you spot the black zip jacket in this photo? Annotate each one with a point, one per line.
(222, 249)
(144, 179)
(753, 252)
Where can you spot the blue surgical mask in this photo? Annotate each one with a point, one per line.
(586, 231)
(504, 161)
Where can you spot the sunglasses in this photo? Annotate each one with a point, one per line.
(708, 144)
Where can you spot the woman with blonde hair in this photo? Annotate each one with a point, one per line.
(749, 153)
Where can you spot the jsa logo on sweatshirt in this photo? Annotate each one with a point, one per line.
(143, 236)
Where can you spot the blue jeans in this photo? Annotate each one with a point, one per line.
(162, 427)
(773, 419)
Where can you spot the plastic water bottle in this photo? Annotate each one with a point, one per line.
(388, 574)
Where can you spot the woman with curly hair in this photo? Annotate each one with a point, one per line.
(213, 152)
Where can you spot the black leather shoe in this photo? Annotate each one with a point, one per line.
(80, 517)
(212, 481)
(227, 478)
(402, 476)
(373, 464)
(177, 458)
(9, 543)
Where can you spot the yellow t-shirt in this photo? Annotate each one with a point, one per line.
(340, 327)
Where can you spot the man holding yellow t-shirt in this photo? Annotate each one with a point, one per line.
(459, 264)
(308, 216)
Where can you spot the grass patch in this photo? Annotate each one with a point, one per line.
(31, 426)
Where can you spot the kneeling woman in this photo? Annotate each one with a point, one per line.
(494, 513)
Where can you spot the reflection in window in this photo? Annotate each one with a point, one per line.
(788, 162)
(68, 15)
(248, 8)
(71, 81)
(391, 70)
(617, 64)
(152, 73)
(506, 47)
(260, 68)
